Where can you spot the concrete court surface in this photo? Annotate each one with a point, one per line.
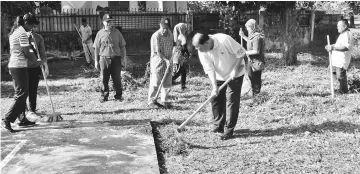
(78, 147)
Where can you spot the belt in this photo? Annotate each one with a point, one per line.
(109, 57)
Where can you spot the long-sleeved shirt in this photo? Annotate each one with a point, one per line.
(39, 44)
(85, 33)
(223, 57)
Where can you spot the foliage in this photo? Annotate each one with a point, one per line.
(142, 5)
(330, 7)
(16, 8)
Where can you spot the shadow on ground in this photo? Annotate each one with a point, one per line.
(332, 126)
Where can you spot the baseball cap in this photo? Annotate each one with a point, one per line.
(165, 21)
(107, 17)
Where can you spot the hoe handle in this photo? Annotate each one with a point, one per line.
(202, 105)
(331, 71)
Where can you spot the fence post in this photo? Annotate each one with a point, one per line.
(262, 16)
(312, 25)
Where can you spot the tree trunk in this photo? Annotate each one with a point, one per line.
(288, 49)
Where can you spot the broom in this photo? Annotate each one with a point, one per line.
(55, 116)
(331, 76)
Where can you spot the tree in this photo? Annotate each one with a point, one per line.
(233, 10)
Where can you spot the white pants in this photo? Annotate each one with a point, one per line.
(87, 47)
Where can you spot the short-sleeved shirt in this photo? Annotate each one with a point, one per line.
(109, 42)
(222, 58)
(17, 40)
(163, 44)
(342, 59)
(39, 44)
(86, 32)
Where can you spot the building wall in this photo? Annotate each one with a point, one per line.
(152, 4)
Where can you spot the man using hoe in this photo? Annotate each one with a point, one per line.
(222, 58)
(110, 45)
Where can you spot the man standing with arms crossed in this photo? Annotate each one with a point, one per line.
(110, 45)
(222, 58)
(86, 38)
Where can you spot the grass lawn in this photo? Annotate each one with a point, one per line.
(294, 126)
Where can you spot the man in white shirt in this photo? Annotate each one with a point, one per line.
(341, 55)
(222, 58)
(86, 37)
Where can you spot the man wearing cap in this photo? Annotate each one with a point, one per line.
(161, 51)
(110, 45)
(86, 38)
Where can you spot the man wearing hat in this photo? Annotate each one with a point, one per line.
(110, 45)
(86, 37)
(161, 51)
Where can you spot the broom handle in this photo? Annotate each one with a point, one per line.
(206, 102)
(331, 72)
(43, 72)
(241, 37)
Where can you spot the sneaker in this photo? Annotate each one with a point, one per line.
(6, 125)
(119, 98)
(102, 100)
(183, 88)
(32, 116)
(26, 123)
(167, 105)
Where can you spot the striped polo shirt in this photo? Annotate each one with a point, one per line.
(17, 40)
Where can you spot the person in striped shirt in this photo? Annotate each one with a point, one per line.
(161, 51)
(21, 57)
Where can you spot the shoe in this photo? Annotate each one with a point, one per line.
(217, 130)
(226, 136)
(32, 116)
(167, 105)
(26, 123)
(183, 88)
(6, 125)
(119, 98)
(102, 100)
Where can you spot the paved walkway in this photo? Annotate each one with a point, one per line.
(71, 147)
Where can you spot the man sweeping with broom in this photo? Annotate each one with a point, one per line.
(222, 59)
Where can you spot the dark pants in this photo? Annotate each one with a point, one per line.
(255, 79)
(342, 78)
(34, 78)
(20, 78)
(181, 70)
(110, 66)
(226, 104)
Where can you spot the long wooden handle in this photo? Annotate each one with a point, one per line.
(241, 38)
(162, 81)
(43, 72)
(202, 105)
(331, 71)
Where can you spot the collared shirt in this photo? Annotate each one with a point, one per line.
(163, 44)
(108, 42)
(85, 33)
(17, 40)
(222, 58)
(342, 59)
(39, 44)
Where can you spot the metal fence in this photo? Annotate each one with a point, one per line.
(127, 20)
